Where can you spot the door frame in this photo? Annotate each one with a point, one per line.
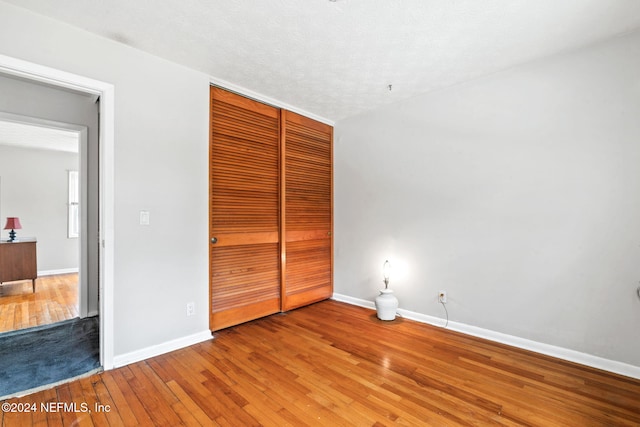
(105, 92)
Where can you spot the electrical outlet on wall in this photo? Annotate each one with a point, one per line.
(191, 309)
(442, 297)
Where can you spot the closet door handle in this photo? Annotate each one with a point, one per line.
(214, 240)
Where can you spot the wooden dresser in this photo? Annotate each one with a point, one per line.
(18, 261)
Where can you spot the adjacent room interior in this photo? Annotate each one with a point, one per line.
(488, 151)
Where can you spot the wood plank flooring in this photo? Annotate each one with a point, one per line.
(55, 299)
(332, 364)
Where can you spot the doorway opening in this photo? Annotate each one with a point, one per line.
(104, 92)
(45, 187)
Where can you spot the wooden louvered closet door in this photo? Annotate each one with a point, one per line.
(244, 210)
(307, 210)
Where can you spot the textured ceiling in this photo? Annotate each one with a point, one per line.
(336, 58)
(43, 138)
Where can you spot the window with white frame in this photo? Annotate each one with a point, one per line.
(73, 209)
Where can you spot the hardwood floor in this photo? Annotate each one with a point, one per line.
(55, 299)
(332, 364)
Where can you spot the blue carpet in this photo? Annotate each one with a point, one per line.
(48, 354)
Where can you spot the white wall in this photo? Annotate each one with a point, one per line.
(34, 187)
(518, 193)
(161, 152)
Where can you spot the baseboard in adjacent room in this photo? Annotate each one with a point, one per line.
(57, 271)
(538, 347)
(157, 350)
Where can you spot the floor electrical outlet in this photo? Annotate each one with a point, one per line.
(191, 309)
(442, 297)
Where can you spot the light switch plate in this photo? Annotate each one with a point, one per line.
(144, 217)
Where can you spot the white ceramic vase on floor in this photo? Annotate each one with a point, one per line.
(386, 305)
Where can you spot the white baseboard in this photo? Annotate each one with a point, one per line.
(59, 271)
(538, 347)
(354, 301)
(157, 350)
